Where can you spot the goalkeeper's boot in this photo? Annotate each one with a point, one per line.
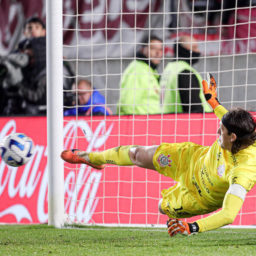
(76, 156)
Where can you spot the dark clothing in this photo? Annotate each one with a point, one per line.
(187, 81)
(189, 90)
(37, 62)
(182, 54)
(28, 97)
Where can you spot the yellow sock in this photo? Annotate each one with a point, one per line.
(116, 156)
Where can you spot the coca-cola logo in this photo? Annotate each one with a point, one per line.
(81, 209)
(20, 186)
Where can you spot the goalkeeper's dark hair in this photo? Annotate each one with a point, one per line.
(242, 123)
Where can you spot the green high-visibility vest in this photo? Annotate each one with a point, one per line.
(172, 102)
(140, 90)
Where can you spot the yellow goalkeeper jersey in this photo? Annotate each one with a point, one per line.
(213, 170)
(207, 172)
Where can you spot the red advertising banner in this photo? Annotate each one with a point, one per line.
(115, 195)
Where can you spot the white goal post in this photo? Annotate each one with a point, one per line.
(100, 39)
(55, 113)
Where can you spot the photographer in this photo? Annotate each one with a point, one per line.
(23, 73)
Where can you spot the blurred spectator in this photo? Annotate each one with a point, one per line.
(140, 89)
(90, 101)
(24, 81)
(23, 74)
(181, 84)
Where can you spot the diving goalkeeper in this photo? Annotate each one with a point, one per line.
(209, 177)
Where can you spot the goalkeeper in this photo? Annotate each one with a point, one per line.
(209, 177)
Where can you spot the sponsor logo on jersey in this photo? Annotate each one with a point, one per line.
(234, 180)
(219, 156)
(164, 160)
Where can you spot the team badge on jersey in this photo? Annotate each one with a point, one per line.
(164, 160)
(221, 170)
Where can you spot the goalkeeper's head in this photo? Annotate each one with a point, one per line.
(240, 126)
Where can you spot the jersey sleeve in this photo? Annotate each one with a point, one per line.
(220, 111)
(230, 208)
(243, 177)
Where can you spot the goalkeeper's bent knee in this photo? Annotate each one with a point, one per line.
(116, 156)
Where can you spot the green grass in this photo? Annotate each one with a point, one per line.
(45, 240)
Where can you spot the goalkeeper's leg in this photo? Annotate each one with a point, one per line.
(123, 156)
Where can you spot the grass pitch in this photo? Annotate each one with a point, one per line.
(44, 240)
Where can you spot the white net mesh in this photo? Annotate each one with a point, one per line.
(101, 38)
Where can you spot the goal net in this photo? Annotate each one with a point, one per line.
(101, 39)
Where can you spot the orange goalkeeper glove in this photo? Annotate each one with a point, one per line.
(210, 92)
(176, 226)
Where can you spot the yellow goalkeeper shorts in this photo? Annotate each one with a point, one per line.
(178, 202)
(175, 160)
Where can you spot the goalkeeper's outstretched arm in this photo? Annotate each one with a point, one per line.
(232, 204)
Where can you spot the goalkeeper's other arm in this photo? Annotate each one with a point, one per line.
(232, 203)
(210, 91)
(210, 94)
